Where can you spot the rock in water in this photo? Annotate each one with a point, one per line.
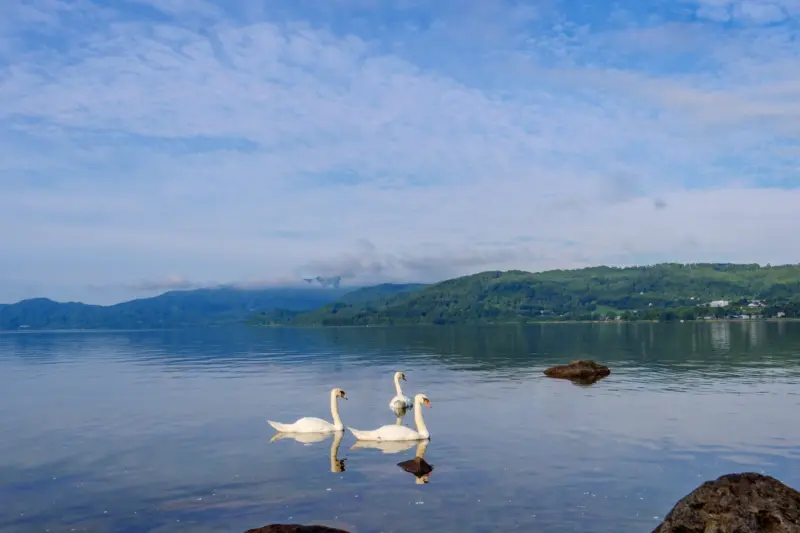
(736, 503)
(417, 466)
(295, 528)
(582, 370)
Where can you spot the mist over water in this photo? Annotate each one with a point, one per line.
(166, 430)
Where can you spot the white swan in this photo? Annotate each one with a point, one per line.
(395, 432)
(310, 424)
(400, 401)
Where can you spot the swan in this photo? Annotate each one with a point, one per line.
(310, 424)
(395, 432)
(400, 401)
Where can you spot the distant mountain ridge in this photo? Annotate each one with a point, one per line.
(199, 307)
(667, 291)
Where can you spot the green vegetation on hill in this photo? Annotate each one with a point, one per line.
(360, 300)
(660, 292)
(172, 309)
(380, 292)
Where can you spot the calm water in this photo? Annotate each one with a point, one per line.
(165, 431)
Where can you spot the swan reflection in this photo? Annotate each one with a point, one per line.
(418, 466)
(386, 446)
(337, 465)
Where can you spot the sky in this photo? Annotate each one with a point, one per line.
(149, 145)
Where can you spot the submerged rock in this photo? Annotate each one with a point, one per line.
(417, 466)
(295, 528)
(736, 503)
(583, 371)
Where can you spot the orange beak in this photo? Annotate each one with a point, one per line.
(427, 402)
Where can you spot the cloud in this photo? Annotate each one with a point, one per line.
(748, 11)
(427, 263)
(232, 143)
(168, 284)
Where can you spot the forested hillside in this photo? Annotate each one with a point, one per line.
(660, 292)
(171, 309)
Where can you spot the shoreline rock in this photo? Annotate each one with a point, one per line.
(583, 371)
(736, 503)
(295, 528)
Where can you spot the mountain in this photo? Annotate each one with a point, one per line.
(659, 292)
(667, 291)
(359, 300)
(379, 292)
(168, 310)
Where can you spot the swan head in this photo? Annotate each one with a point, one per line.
(338, 393)
(422, 398)
(400, 375)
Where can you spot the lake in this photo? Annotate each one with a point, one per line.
(165, 431)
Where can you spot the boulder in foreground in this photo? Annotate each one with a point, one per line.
(295, 528)
(736, 503)
(582, 370)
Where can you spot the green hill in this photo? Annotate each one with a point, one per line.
(659, 292)
(357, 301)
(172, 309)
(380, 292)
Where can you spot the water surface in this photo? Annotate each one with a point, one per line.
(165, 430)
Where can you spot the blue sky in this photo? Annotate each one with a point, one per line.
(156, 144)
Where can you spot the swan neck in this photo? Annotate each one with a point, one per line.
(337, 421)
(422, 429)
(397, 386)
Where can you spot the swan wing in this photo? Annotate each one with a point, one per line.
(401, 402)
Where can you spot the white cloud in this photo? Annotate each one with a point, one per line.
(258, 145)
(748, 11)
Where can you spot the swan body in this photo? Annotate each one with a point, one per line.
(395, 432)
(400, 401)
(311, 424)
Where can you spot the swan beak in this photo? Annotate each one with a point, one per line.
(404, 377)
(342, 395)
(427, 402)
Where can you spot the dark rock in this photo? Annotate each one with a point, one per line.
(582, 371)
(295, 528)
(736, 503)
(417, 466)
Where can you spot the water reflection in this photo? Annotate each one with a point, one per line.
(507, 351)
(417, 466)
(386, 446)
(621, 451)
(337, 465)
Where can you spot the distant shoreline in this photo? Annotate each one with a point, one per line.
(318, 326)
(603, 322)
